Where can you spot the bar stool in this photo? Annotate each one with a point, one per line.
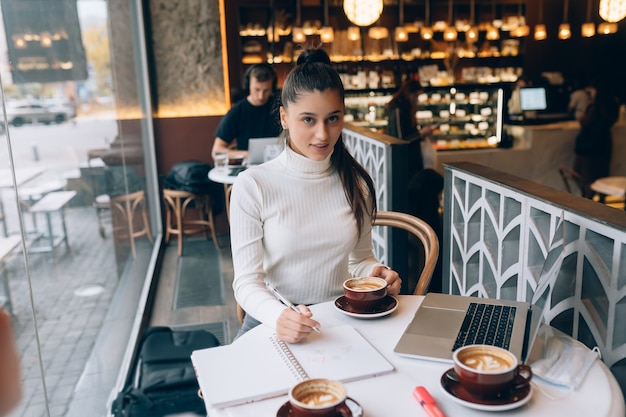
(176, 223)
(127, 206)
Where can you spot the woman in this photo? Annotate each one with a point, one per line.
(594, 143)
(302, 222)
(402, 124)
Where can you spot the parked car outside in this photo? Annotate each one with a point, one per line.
(19, 114)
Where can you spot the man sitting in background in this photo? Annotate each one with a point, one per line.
(251, 117)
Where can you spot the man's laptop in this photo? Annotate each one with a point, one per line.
(445, 322)
(263, 149)
(534, 106)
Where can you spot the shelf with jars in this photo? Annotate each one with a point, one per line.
(466, 116)
(274, 35)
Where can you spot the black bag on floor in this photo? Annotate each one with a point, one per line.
(162, 380)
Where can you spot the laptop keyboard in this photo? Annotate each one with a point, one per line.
(487, 324)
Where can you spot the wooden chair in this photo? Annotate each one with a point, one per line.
(228, 188)
(571, 178)
(176, 223)
(128, 206)
(421, 230)
(424, 233)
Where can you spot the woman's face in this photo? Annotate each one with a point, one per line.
(314, 122)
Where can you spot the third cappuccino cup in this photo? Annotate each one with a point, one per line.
(319, 398)
(486, 371)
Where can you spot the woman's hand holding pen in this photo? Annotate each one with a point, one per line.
(393, 279)
(293, 327)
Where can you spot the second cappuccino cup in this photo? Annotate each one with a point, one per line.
(486, 371)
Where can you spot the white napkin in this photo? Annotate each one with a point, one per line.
(565, 361)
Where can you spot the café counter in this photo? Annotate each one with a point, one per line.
(538, 151)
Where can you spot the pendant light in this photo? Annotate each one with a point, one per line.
(363, 12)
(327, 34)
(472, 34)
(401, 34)
(564, 29)
(450, 34)
(612, 10)
(426, 30)
(522, 29)
(606, 28)
(297, 33)
(540, 29)
(588, 29)
(493, 33)
(354, 33)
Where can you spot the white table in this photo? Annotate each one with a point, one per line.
(222, 176)
(390, 395)
(613, 186)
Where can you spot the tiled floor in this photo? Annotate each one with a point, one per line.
(164, 312)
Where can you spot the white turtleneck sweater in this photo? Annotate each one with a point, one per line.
(291, 225)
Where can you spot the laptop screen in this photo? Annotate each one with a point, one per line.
(533, 98)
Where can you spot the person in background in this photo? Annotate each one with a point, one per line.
(302, 222)
(402, 124)
(578, 101)
(514, 106)
(251, 117)
(594, 142)
(10, 375)
(401, 109)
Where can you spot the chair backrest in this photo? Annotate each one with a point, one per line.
(424, 233)
(570, 176)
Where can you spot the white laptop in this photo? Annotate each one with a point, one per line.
(440, 325)
(263, 149)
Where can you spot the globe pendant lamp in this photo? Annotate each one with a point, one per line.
(363, 12)
(612, 10)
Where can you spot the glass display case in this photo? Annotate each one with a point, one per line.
(464, 116)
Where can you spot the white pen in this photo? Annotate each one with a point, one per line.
(286, 302)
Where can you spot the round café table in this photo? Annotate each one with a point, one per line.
(227, 177)
(613, 186)
(391, 394)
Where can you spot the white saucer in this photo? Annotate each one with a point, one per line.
(388, 307)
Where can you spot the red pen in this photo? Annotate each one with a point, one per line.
(427, 402)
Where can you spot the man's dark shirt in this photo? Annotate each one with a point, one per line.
(244, 121)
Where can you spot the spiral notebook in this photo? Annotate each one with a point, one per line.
(244, 372)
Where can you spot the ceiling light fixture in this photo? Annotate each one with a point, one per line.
(450, 34)
(606, 28)
(588, 29)
(363, 12)
(327, 34)
(297, 33)
(426, 30)
(612, 10)
(564, 29)
(493, 33)
(540, 29)
(401, 33)
(472, 34)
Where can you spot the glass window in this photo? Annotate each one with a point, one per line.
(79, 207)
